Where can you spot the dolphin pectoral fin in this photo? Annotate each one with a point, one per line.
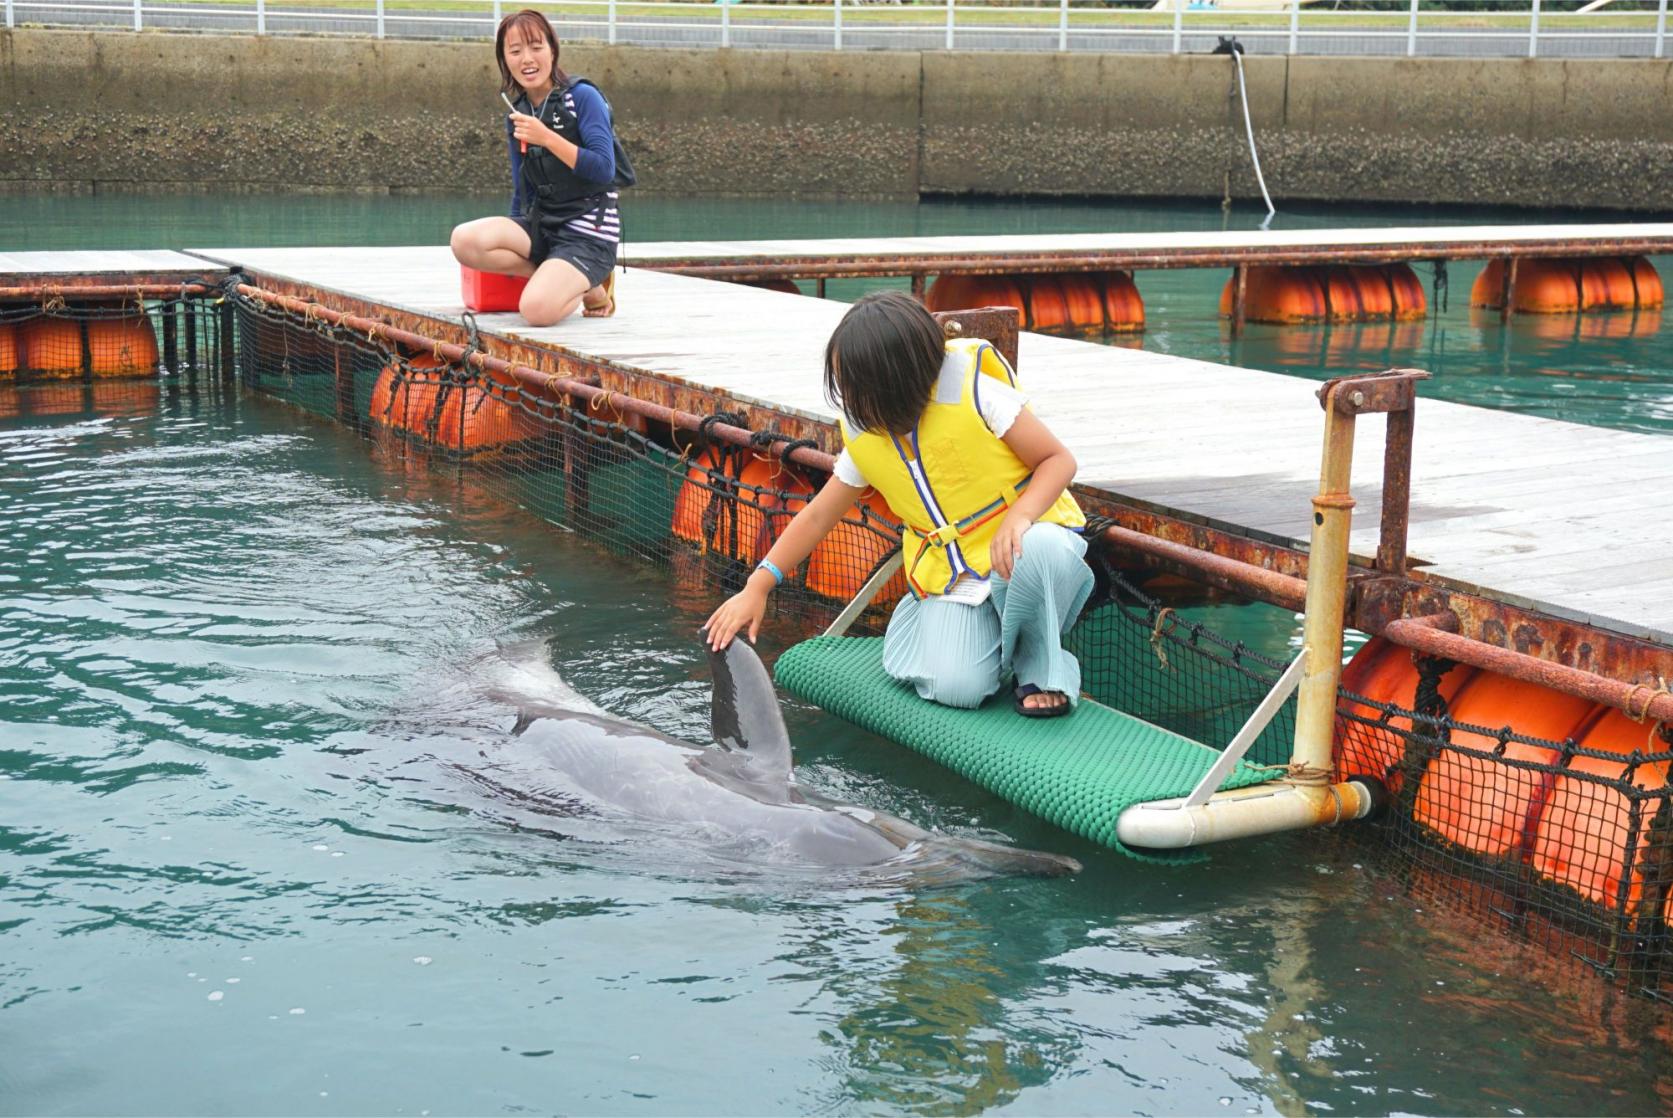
(745, 715)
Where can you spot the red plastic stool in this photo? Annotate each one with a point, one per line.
(490, 291)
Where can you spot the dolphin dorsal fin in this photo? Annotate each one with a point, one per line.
(745, 715)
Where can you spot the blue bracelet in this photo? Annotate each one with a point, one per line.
(771, 567)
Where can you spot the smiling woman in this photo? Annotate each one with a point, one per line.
(566, 169)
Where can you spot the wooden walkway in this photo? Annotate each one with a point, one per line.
(1559, 517)
(1092, 251)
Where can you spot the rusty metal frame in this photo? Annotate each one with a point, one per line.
(835, 265)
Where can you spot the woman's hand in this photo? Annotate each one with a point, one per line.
(1007, 543)
(745, 608)
(531, 130)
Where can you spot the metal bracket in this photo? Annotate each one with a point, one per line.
(879, 578)
(1258, 721)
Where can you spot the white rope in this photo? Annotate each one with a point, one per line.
(1249, 127)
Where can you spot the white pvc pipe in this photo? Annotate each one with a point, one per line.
(1264, 809)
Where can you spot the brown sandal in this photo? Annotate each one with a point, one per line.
(609, 306)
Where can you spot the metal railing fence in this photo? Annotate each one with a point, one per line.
(1477, 29)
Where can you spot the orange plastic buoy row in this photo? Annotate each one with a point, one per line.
(742, 520)
(1567, 285)
(738, 517)
(464, 418)
(1286, 294)
(1069, 303)
(841, 564)
(53, 348)
(1569, 829)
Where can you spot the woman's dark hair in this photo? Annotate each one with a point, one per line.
(530, 23)
(882, 362)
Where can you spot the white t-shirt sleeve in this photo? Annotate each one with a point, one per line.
(848, 472)
(1000, 404)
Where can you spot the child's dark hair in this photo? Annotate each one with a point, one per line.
(882, 362)
(529, 22)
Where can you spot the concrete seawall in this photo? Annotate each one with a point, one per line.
(116, 110)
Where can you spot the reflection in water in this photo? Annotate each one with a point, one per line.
(930, 1038)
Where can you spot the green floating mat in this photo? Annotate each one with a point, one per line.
(1080, 772)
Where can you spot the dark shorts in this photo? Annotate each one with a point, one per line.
(592, 257)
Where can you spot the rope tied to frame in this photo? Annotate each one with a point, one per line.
(1166, 623)
(607, 398)
(1300, 772)
(1643, 714)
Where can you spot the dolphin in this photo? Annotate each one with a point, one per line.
(738, 796)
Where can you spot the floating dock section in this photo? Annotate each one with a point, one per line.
(1506, 560)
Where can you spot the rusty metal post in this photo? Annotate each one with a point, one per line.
(1507, 288)
(819, 287)
(1397, 491)
(917, 285)
(1327, 585)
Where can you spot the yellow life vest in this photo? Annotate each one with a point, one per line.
(950, 479)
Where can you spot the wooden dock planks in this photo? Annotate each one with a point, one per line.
(1534, 511)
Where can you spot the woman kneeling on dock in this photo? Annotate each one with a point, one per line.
(565, 226)
(992, 547)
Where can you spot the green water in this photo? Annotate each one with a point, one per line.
(237, 758)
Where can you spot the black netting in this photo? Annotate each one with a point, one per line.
(1558, 828)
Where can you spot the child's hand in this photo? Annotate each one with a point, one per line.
(1007, 543)
(746, 607)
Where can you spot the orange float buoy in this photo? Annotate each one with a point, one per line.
(1647, 283)
(51, 347)
(1406, 291)
(122, 347)
(1606, 285)
(842, 562)
(1048, 305)
(1542, 287)
(737, 517)
(1277, 294)
(1481, 803)
(464, 418)
(962, 293)
(11, 357)
(1123, 306)
(1084, 299)
(694, 495)
(1584, 838)
(1383, 672)
(54, 347)
(1348, 295)
(1561, 285)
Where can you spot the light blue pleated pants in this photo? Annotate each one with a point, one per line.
(958, 654)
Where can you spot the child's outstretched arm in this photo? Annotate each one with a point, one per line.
(806, 529)
(1054, 468)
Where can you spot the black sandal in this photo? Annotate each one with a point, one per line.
(1025, 690)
